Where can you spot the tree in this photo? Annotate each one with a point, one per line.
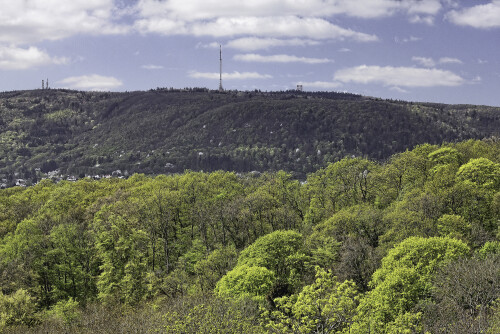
(464, 294)
(17, 309)
(480, 172)
(275, 261)
(403, 280)
(121, 248)
(325, 306)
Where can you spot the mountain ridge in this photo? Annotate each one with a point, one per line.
(171, 130)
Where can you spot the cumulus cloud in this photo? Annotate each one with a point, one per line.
(321, 85)
(24, 22)
(229, 76)
(93, 82)
(14, 58)
(209, 9)
(398, 76)
(256, 43)
(482, 16)
(252, 57)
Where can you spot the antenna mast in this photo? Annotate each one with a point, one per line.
(220, 73)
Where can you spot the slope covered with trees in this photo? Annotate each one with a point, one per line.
(166, 131)
(409, 245)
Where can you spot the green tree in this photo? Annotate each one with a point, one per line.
(403, 280)
(17, 309)
(325, 306)
(480, 172)
(277, 259)
(121, 248)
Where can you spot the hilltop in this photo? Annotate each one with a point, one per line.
(169, 131)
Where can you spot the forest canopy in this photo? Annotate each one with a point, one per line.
(410, 245)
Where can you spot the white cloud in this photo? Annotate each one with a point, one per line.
(14, 58)
(426, 19)
(344, 50)
(449, 60)
(91, 82)
(24, 22)
(194, 10)
(256, 43)
(398, 76)
(270, 26)
(152, 67)
(426, 62)
(252, 57)
(229, 76)
(322, 85)
(429, 62)
(482, 16)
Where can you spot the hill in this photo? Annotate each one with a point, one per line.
(168, 131)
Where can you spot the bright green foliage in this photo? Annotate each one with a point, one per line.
(275, 261)
(407, 218)
(403, 280)
(453, 226)
(17, 309)
(66, 310)
(360, 221)
(131, 242)
(444, 156)
(325, 306)
(489, 248)
(480, 172)
(244, 280)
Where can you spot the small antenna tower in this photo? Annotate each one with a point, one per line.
(43, 84)
(47, 84)
(220, 73)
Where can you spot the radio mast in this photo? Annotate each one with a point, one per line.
(220, 73)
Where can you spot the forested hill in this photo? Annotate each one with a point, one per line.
(162, 131)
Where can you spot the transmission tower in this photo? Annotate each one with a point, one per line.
(220, 72)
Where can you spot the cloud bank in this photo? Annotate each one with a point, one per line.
(252, 57)
(92, 82)
(398, 76)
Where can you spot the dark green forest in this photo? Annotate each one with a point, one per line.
(404, 242)
(163, 131)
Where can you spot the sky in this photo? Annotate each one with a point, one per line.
(415, 50)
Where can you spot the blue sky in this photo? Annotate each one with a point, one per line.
(418, 50)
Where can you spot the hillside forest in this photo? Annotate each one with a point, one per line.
(407, 245)
(66, 134)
